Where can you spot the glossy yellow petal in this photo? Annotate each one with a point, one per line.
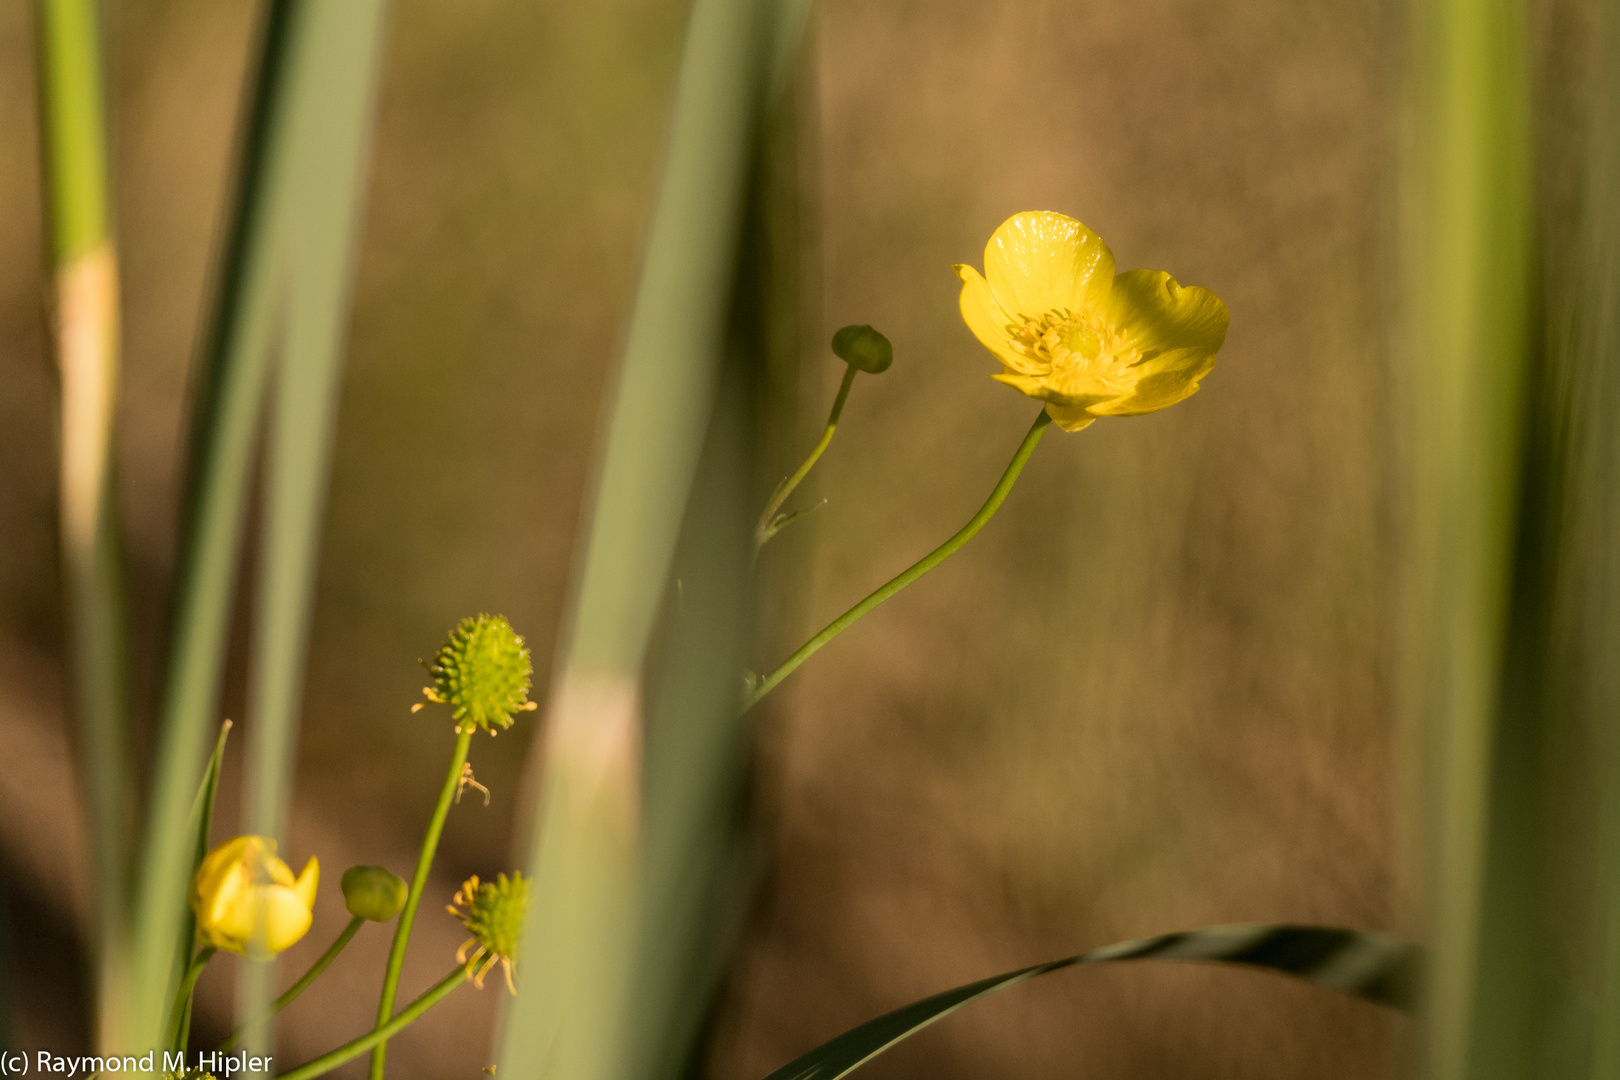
(1159, 316)
(989, 323)
(1038, 261)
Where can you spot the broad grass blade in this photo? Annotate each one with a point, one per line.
(1463, 398)
(569, 1018)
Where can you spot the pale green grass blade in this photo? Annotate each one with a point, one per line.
(86, 343)
(331, 88)
(226, 412)
(696, 866)
(568, 1019)
(1468, 277)
(1371, 966)
(698, 862)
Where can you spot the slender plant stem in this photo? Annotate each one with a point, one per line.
(917, 569)
(767, 526)
(182, 997)
(332, 1059)
(298, 987)
(424, 863)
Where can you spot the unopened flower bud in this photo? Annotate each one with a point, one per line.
(247, 901)
(373, 892)
(864, 348)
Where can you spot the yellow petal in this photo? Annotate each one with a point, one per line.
(308, 881)
(1069, 417)
(1160, 316)
(286, 917)
(987, 320)
(1037, 261)
(279, 872)
(1159, 390)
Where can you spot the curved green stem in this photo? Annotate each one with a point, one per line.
(298, 987)
(180, 1011)
(424, 863)
(332, 1059)
(915, 571)
(768, 525)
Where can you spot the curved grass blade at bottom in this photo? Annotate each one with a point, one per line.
(1375, 967)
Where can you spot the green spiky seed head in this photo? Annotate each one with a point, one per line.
(482, 673)
(492, 912)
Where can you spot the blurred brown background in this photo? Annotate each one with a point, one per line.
(1152, 695)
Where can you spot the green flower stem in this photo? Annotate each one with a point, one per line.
(332, 1059)
(768, 525)
(915, 571)
(180, 1012)
(300, 986)
(402, 932)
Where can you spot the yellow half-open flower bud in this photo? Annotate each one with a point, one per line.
(247, 901)
(1072, 333)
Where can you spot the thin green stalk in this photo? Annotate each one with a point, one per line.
(407, 915)
(916, 570)
(74, 155)
(180, 1010)
(298, 987)
(350, 1050)
(768, 525)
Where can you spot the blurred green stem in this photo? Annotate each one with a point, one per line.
(85, 331)
(298, 987)
(180, 1011)
(402, 932)
(768, 525)
(917, 569)
(329, 1061)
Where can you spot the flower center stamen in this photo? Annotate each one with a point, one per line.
(1078, 351)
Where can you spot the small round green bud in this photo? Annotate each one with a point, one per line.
(482, 673)
(373, 892)
(864, 348)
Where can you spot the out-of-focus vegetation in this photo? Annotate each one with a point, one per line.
(1159, 691)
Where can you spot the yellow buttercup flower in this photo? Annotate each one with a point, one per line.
(1072, 333)
(246, 899)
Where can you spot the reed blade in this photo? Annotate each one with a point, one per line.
(569, 1017)
(257, 288)
(73, 128)
(331, 93)
(1468, 355)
